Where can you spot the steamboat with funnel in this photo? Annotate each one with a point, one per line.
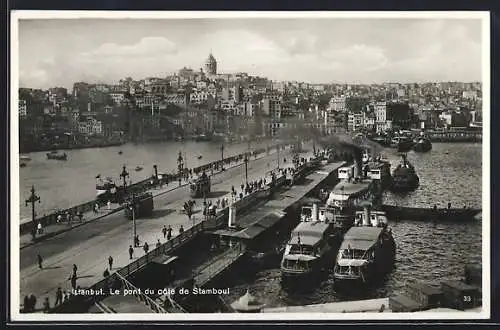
(368, 249)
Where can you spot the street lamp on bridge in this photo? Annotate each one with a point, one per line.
(180, 167)
(246, 168)
(222, 155)
(124, 174)
(32, 200)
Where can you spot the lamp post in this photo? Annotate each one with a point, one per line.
(132, 209)
(124, 174)
(180, 167)
(155, 168)
(32, 200)
(246, 168)
(278, 150)
(222, 155)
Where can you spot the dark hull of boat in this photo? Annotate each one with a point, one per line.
(422, 146)
(428, 214)
(57, 157)
(404, 184)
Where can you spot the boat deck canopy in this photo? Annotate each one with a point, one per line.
(300, 257)
(351, 188)
(305, 240)
(352, 262)
(361, 238)
(310, 228)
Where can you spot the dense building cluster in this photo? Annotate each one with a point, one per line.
(204, 102)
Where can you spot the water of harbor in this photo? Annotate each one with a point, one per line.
(425, 252)
(61, 184)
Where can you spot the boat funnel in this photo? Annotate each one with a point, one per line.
(366, 215)
(315, 212)
(232, 216)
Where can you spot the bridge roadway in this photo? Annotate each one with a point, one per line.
(89, 246)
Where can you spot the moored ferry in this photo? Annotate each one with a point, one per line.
(368, 250)
(422, 143)
(404, 177)
(310, 250)
(402, 143)
(345, 197)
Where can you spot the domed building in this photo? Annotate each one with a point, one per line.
(211, 65)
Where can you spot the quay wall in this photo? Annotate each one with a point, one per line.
(455, 136)
(138, 187)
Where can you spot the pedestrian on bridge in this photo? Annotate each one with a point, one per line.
(181, 230)
(73, 281)
(146, 247)
(40, 260)
(26, 304)
(32, 303)
(74, 270)
(59, 297)
(46, 305)
(158, 244)
(65, 296)
(109, 205)
(96, 208)
(164, 231)
(136, 241)
(130, 251)
(110, 262)
(106, 273)
(169, 232)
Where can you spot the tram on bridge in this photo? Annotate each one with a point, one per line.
(200, 186)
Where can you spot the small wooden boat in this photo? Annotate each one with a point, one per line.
(120, 152)
(138, 168)
(57, 156)
(24, 158)
(22, 165)
(452, 215)
(200, 157)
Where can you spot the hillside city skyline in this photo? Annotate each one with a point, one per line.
(304, 50)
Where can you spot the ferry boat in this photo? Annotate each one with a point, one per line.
(347, 194)
(378, 170)
(57, 156)
(310, 249)
(402, 143)
(422, 143)
(24, 158)
(404, 176)
(368, 250)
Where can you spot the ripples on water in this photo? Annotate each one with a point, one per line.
(425, 252)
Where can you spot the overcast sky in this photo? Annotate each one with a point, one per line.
(326, 50)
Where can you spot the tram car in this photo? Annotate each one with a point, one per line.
(143, 206)
(200, 186)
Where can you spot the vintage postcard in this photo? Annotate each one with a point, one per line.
(250, 166)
